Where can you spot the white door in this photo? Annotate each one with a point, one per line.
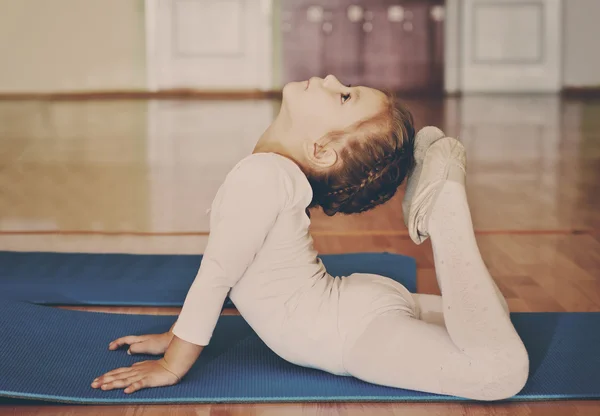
(209, 44)
(511, 46)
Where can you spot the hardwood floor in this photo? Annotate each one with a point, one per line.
(138, 176)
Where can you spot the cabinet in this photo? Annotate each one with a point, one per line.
(392, 44)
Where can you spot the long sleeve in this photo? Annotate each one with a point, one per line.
(243, 212)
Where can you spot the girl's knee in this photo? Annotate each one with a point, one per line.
(518, 371)
(510, 372)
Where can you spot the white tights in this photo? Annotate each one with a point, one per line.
(463, 343)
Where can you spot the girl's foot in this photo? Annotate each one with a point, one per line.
(438, 158)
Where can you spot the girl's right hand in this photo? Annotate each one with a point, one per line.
(154, 344)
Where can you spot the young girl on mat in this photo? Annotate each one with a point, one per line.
(345, 149)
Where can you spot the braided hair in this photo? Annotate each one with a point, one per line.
(376, 157)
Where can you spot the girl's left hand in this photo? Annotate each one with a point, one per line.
(139, 376)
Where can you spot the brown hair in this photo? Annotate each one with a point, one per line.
(376, 157)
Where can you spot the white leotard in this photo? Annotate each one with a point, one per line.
(366, 326)
(260, 250)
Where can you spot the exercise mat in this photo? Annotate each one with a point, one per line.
(147, 279)
(53, 354)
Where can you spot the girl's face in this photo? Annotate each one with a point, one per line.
(319, 106)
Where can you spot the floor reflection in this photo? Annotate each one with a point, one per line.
(154, 166)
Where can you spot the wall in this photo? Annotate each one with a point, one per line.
(71, 45)
(90, 45)
(581, 64)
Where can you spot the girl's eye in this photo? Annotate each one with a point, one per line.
(346, 97)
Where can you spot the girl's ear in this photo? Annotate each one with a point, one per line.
(320, 155)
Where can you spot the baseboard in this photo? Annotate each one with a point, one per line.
(180, 94)
(146, 95)
(581, 92)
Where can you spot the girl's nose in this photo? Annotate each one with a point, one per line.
(332, 81)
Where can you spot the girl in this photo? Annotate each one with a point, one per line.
(345, 149)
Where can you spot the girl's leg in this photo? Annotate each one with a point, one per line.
(431, 307)
(477, 354)
(432, 310)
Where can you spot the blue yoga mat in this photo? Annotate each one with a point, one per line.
(147, 280)
(53, 355)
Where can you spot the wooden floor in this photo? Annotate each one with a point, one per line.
(138, 176)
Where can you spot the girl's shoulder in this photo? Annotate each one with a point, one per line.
(271, 170)
(259, 164)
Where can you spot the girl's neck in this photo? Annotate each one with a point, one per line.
(280, 140)
(277, 138)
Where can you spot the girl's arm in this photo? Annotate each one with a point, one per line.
(180, 356)
(244, 212)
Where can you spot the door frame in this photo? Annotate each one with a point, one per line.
(452, 49)
(266, 82)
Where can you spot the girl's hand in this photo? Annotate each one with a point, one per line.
(154, 344)
(139, 376)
